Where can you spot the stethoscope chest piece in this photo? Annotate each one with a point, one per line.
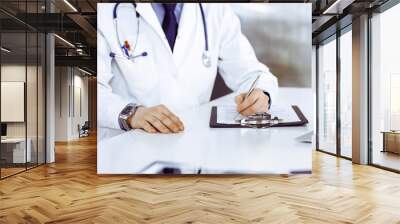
(206, 58)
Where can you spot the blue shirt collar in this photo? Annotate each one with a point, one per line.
(160, 11)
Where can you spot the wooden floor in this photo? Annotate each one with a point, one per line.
(5, 172)
(387, 159)
(70, 191)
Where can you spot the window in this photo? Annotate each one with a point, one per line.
(14, 153)
(327, 97)
(333, 137)
(22, 77)
(346, 93)
(385, 89)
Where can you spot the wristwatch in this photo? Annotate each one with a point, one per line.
(128, 111)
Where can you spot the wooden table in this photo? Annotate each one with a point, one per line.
(391, 141)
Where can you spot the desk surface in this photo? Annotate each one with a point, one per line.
(273, 150)
(13, 140)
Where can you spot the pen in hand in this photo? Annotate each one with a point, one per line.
(252, 87)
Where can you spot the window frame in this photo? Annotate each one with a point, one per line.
(334, 37)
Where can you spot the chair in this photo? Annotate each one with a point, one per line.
(84, 130)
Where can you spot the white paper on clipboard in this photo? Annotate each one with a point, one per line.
(226, 114)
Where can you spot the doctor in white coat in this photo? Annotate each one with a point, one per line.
(156, 58)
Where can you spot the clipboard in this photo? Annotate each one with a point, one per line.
(299, 113)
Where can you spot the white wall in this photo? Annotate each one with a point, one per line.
(80, 110)
(12, 73)
(13, 100)
(62, 82)
(71, 102)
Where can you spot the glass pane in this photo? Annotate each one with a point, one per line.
(31, 98)
(346, 93)
(13, 87)
(327, 96)
(22, 63)
(41, 98)
(386, 89)
(32, 86)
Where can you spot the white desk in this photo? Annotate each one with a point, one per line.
(19, 155)
(273, 150)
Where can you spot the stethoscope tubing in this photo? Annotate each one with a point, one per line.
(203, 18)
(206, 59)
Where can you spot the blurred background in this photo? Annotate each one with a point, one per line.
(281, 35)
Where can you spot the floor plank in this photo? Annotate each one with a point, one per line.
(70, 191)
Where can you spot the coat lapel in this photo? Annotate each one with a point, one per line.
(186, 30)
(147, 13)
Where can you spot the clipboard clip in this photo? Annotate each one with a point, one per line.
(260, 120)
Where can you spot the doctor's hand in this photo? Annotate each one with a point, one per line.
(156, 119)
(256, 102)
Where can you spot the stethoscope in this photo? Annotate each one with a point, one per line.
(126, 48)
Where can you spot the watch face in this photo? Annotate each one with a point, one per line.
(127, 110)
(124, 116)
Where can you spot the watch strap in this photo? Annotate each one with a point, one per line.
(128, 111)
